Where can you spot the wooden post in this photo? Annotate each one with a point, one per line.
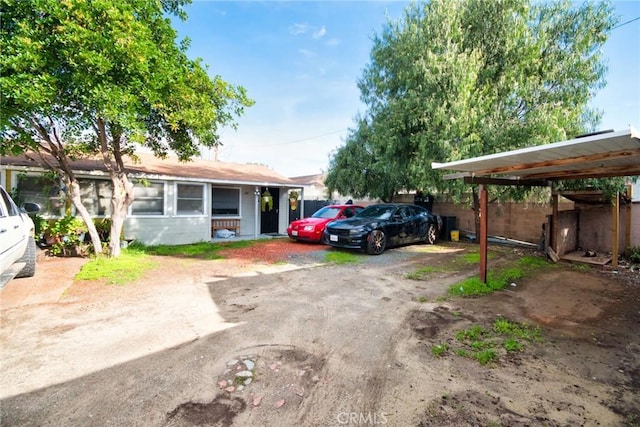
(627, 228)
(615, 226)
(554, 223)
(483, 233)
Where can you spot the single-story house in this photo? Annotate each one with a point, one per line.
(175, 202)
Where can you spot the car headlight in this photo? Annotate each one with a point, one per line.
(358, 230)
(309, 227)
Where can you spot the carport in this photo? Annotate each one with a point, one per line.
(598, 155)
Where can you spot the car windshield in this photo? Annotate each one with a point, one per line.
(326, 212)
(377, 212)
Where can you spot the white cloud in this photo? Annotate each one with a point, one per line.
(318, 34)
(307, 53)
(297, 29)
(333, 42)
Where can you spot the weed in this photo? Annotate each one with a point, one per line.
(440, 349)
(462, 352)
(486, 356)
(342, 257)
(512, 345)
(474, 333)
(516, 330)
(421, 299)
(633, 254)
(498, 279)
(481, 345)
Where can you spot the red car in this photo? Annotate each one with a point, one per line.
(311, 229)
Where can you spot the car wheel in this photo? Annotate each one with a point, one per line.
(376, 243)
(432, 234)
(29, 257)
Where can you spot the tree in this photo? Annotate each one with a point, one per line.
(459, 79)
(102, 78)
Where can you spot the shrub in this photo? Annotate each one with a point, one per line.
(633, 253)
(65, 234)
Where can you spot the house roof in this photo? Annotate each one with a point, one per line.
(172, 168)
(317, 179)
(599, 155)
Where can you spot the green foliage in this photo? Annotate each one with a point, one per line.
(130, 266)
(474, 333)
(204, 250)
(498, 279)
(41, 225)
(523, 331)
(633, 254)
(342, 257)
(65, 234)
(512, 345)
(101, 78)
(440, 349)
(487, 345)
(457, 79)
(486, 356)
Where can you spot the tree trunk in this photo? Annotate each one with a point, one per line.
(120, 201)
(73, 189)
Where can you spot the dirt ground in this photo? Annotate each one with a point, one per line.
(321, 344)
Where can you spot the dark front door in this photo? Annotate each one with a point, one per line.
(269, 211)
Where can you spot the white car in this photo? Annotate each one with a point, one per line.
(17, 242)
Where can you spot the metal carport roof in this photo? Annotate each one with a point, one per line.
(599, 155)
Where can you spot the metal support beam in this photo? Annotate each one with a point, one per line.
(483, 233)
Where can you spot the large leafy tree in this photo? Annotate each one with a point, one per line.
(100, 78)
(458, 79)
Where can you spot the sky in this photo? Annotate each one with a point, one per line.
(300, 62)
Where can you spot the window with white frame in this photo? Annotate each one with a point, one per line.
(149, 199)
(45, 191)
(96, 196)
(225, 201)
(190, 199)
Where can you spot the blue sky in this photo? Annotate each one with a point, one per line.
(300, 61)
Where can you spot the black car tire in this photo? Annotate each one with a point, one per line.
(432, 234)
(377, 242)
(29, 258)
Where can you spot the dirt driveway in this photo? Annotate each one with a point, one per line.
(275, 336)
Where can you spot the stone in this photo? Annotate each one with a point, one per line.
(244, 374)
(222, 384)
(232, 362)
(249, 364)
(280, 403)
(257, 400)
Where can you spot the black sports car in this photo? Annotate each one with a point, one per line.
(382, 226)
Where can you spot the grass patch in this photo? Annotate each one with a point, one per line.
(440, 349)
(202, 250)
(498, 279)
(486, 356)
(488, 345)
(128, 267)
(134, 261)
(342, 257)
